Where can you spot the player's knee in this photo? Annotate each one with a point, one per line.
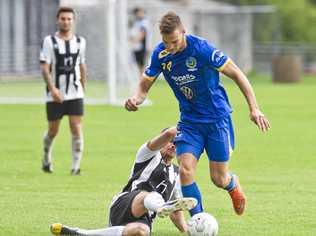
(142, 230)
(52, 133)
(186, 173)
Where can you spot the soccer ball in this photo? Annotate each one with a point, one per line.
(202, 224)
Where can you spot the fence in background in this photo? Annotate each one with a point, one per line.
(263, 55)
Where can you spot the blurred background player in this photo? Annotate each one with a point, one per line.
(63, 68)
(191, 66)
(153, 188)
(140, 33)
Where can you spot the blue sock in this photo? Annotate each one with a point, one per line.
(232, 184)
(192, 190)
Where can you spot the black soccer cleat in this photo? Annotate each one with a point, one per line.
(47, 168)
(75, 172)
(60, 229)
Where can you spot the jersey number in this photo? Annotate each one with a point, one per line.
(162, 186)
(68, 61)
(167, 66)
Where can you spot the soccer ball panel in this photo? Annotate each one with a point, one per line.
(202, 224)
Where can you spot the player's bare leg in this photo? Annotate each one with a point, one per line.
(53, 127)
(223, 179)
(136, 229)
(77, 143)
(188, 164)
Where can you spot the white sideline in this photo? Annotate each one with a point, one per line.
(90, 101)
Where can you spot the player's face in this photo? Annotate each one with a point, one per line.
(175, 41)
(140, 14)
(169, 151)
(65, 21)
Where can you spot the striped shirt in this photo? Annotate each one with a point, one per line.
(64, 56)
(150, 173)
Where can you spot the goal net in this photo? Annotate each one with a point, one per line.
(112, 72)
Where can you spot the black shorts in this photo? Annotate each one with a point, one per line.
(140, 57)
(121, 212)
(55, 110)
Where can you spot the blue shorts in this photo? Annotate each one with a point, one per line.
(216, 138)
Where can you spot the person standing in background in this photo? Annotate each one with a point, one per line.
(63, 67)
(140, 37)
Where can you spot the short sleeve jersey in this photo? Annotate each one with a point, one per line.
(64, 58)
(193, 75)
(150, 173)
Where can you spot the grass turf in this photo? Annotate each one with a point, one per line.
(276, 169)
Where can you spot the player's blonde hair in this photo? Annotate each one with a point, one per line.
(169, 23)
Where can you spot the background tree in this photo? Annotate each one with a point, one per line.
(296, 18)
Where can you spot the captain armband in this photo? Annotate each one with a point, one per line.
(150, 78)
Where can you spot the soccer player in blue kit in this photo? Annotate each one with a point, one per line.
(191, 66)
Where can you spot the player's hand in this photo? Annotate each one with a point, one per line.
(131, 104)
(260, 120)
(56, 94)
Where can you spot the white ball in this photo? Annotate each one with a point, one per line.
(202, 224)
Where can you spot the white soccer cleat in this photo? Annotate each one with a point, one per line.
(180, 204)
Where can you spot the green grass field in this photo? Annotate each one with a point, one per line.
(277, 169)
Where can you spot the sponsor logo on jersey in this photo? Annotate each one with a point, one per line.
(187, 92)
(183, 79)
(163, 53)
(68, 64)
(190, 62)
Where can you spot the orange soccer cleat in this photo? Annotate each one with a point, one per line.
(238, 198)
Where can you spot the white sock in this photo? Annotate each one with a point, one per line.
(47, 141)
(111, 231)
(153, 201)
(77, 149)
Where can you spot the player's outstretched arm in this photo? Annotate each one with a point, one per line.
(131, 104)
(162, 139)
(232, 71)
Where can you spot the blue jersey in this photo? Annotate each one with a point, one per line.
(193, 75)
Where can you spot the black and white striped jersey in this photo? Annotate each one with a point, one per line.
(64, 56)
(150, 173)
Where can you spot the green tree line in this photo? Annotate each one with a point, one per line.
(297, 18)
